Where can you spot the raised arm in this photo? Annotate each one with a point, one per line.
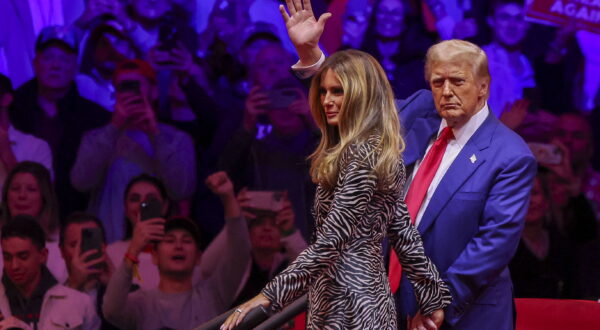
(304, 29)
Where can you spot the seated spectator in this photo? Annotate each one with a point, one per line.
(538, 267)
(16, 146)
(28, 190)
(269, 151)
(89, 271)
(31, 297)
(105, 46)
(177, 302)
(132, 144)
(399, 43)
(275, 243)
(512, 71)
(50, 108)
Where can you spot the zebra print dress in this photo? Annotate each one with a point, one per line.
(343, 269)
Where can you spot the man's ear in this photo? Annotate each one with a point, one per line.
(44, 255)
(484, 87)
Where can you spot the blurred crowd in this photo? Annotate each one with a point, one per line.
(136, 133)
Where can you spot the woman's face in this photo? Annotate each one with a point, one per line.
(538, 204)
(332, 95)
(390, 18)
(24, 196)
(138, 193)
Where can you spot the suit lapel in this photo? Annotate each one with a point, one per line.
(462, 168)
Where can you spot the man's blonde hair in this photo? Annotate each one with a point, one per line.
(458, 51)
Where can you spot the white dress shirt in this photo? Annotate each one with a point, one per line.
(462, 136)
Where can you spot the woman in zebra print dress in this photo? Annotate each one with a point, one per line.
(360, 174)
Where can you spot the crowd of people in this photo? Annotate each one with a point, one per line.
(175, 134)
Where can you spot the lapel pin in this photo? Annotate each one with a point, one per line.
(473, 159)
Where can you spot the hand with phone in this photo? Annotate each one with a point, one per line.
(89, 261)
(133, 109)
(149, 227)
(257, 103)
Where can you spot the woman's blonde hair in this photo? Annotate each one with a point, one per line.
(368, 108)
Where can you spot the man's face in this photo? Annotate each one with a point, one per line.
(265, 235)
(72, 240)
(575, 133)
(177, 253)
(509, 25)
(271, 64)
(390, 18)
(458, 94)
(55, 67)
(22, 260)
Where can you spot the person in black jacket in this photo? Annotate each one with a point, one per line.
(50, 107)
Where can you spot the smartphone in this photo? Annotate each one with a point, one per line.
(132, 86)
(546, 153)
(150, 208)
(91, 239)
(167, 33)
(266, 200)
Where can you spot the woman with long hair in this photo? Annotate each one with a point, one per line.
(360, 174)
(28, 190)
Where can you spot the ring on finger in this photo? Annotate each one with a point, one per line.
(237, 310)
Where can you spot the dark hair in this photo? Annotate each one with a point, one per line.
(26, 227)
(5, 85)
(79, 218)
(48, 217)
(159, 185)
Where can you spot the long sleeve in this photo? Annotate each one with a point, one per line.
(353, 192)
(431, 292)
(115, 307)
(95, 154)
(235, 256)
(490, 250)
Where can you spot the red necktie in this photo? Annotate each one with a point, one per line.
(417, 192)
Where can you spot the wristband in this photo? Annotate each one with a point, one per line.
(135, 267)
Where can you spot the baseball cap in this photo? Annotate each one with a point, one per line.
(257, 30)
(186, 224)
(56, 34)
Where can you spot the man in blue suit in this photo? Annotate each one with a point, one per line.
(473, 210)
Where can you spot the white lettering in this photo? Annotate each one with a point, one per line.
(570, 9)
(583, 14)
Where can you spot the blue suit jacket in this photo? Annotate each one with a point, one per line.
(472, 225)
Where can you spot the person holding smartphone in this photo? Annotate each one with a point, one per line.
(133, 143)
(82, 246)
(179, 301)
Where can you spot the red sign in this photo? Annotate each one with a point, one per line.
(585, 14)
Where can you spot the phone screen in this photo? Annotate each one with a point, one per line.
(91, 239)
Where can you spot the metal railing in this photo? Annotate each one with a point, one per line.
(259, 318)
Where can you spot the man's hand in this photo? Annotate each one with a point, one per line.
(144, 233)
(82, 273)
(220, 185)
(133, 111)
(465, 29)
(304, 30)
(427, 322)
